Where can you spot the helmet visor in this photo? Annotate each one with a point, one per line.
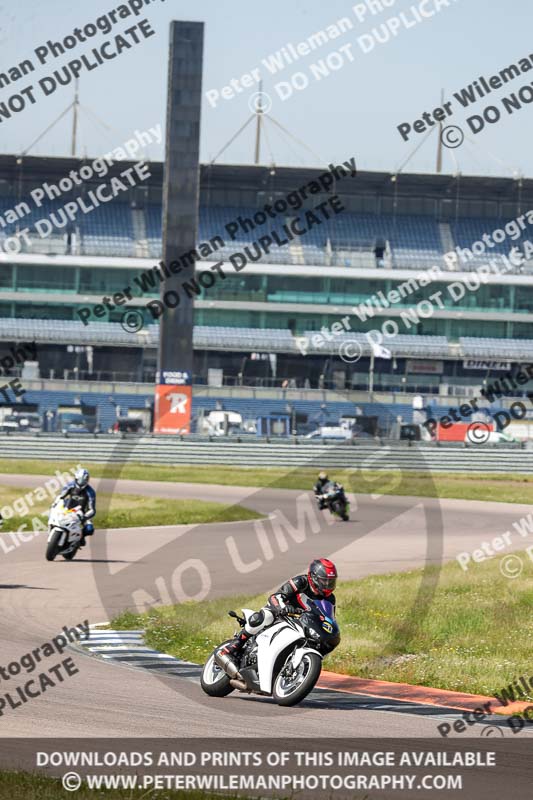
(325, 584)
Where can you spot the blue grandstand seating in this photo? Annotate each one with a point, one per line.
(279, 340)
(467, 231)
(413, 241)
(109, 229)
(153, 217)
(342, 233)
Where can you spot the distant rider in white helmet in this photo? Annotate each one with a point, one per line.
(80, 493)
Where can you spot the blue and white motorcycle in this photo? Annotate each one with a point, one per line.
(65, 530)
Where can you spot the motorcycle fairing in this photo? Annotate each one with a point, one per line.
(270, 643)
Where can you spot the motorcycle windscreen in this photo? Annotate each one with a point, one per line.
(325, 607)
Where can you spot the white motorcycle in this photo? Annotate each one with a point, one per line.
(283, 661)
(65, 530)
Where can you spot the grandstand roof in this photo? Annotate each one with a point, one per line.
(30, 169)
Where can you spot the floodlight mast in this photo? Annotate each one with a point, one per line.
(259, 122)
(181, 198)
(75, 108)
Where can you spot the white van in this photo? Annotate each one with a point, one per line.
(331, 433)
(220, 423)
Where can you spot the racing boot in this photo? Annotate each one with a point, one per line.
(228, 656)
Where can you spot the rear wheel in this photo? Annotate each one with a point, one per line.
(70, 556)
(291, 686)
(214, 680)
(344, 510)
(52, 548)
(338, 509)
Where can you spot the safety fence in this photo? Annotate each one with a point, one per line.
(166, 450)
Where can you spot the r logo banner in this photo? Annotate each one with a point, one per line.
(172, 409)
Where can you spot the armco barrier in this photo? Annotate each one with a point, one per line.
(165, 450)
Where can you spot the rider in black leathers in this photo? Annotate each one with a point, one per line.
(291, 598)
(319, 486)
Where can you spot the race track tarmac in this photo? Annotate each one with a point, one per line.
(136, 567)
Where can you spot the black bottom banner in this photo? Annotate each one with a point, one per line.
(280, 768)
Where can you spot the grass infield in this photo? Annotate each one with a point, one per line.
(128, 511)
(504, 488)
(476, 637)
(24, 786)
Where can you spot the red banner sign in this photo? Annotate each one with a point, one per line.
(173, 405)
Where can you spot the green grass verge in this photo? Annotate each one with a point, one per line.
(503, 487)
(125, 511)
(24, 786)
(476, 637)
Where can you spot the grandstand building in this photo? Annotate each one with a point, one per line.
(253, 327)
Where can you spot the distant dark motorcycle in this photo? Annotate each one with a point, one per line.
(335, 500)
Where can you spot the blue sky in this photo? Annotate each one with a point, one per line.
(355, 111)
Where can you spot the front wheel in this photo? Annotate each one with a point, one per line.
(214, 680)
(291, 687)
(52, 548)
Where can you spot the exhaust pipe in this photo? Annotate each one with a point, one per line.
(239, 685)
(226, 663)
